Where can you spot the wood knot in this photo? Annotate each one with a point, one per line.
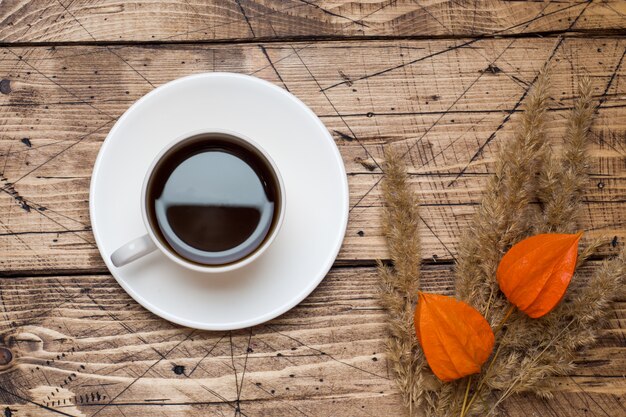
(179, 370)
(5, 86)
(5, 356)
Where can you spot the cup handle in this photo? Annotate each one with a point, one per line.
(133, 250)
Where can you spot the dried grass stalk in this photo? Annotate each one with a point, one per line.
(547, 346)
(533, 350)
(400, 283)
(528, 350)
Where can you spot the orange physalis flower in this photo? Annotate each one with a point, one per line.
(535, 272)
(456, 339)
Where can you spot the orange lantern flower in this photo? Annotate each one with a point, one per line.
(456, 339)
(535, 272)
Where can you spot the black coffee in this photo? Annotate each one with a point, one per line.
(213, 199)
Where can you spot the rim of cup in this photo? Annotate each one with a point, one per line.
(213, 268)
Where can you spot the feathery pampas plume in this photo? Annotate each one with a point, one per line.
(561, 181)
(400, 283)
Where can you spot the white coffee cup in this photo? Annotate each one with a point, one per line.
(151, 241)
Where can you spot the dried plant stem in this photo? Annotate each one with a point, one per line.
(514, 383)
(467, 388)
(592, 247)
(559, 189)
(489, 300)
(493, 358)
(531, 350)
(504, 319)
(481, 383)
(400, 284)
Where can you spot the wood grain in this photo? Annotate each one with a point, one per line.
(81, 346)
(441, 80)
(196, 20)
(447, 105)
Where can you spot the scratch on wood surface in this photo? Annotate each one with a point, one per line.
(205, 356)
(125, 326)
(432, 126)
(335, 109)
(288, 403)
(107, 47)
(9, 188)
(239, 387)
(387, 109)
(245, 16)
(382, 7)
(271, 327)
(519, 102)
(189, 334)
(222, 399)
(21, 59)
(39, 405)
(61, 152)
(287, 56)
(612, 78)
(587, 396)
(441, 117)
(451, 48)
(331, 13)
(228, 23)
(273, 67)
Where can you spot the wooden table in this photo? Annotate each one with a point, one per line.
(444, 79)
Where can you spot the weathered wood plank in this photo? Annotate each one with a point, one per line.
(446, 105)
(194, 20)
(82, 346)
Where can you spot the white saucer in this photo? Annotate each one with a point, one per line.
(316, 213)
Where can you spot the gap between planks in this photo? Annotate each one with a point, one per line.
(585, 34)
